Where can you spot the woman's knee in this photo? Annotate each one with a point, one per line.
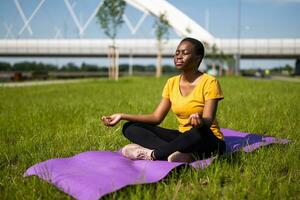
(126, 126)
(198, 133)
(222, 147)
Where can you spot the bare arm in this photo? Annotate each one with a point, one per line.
(208, 115)
(154, 118)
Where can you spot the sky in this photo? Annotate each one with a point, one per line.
(258, 19)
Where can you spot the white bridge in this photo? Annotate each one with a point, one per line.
(181, 23)
(247, 48)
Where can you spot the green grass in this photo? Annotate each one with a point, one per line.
(42, 122)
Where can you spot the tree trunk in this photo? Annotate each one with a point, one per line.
(109, 61)
(130, 71)
(113, 56)
(116, 63)
(158, 61)
(221, 69)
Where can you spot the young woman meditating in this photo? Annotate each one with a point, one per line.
(193, 96)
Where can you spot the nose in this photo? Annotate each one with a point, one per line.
(178, 55)
(177, 58)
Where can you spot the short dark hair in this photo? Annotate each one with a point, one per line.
(199, 47)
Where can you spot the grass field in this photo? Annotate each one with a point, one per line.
(42, 122)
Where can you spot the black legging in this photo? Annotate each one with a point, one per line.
(199, 141)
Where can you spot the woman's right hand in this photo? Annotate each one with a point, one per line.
(111, 120)
(196, 120)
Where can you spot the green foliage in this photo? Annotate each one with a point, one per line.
(43, 122)
(4, 66)
(33, 66)
(89, 67)
(286, 68)
(146, 68)
(110, 16)
(161, 26)
(70, 67)
(169, 69)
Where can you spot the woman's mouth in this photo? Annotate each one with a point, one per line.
(178, 63)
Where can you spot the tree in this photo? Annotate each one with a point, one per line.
(110, 17)
(213, 55)
(5, 66)
(219, 59)
(161, 26)
(70, 67)
(230, 64)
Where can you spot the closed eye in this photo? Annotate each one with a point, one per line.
(184, 52)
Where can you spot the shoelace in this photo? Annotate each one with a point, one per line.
(142, 154)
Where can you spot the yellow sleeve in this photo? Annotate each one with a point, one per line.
(166, 91)
(213, 90)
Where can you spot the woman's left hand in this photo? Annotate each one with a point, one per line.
(111, 120)
(196, 119)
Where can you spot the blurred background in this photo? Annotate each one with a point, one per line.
(43, 39)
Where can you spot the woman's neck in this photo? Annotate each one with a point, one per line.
(190, 76)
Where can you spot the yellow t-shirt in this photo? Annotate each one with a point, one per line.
(183, 106)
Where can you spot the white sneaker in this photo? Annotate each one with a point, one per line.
(180, 157)
(136, 152)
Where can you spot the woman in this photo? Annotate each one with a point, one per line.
(193, 97)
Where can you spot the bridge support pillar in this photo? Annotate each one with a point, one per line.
(297, 67)
(237, 64)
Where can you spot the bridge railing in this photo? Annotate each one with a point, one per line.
(257, 47)
(144, 47)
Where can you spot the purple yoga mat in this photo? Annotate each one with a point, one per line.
(91, 175)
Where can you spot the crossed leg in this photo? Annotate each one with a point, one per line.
(200, 141)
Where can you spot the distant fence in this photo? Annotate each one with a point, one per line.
(44, 75)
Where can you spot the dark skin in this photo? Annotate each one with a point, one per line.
(187, 61)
